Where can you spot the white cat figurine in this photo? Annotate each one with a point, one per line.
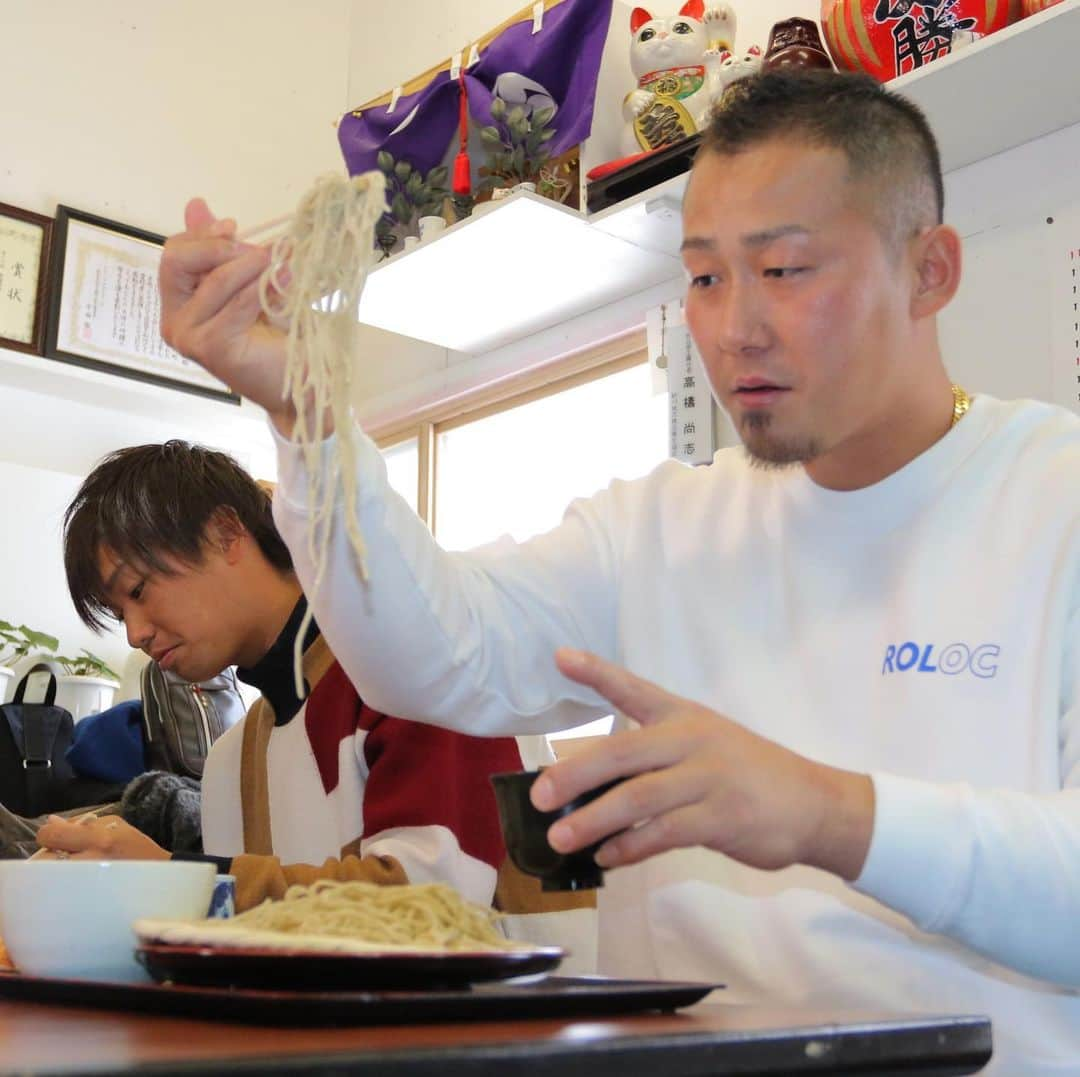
(732, 67)
(675, 60)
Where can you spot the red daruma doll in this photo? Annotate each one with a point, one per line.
(887, 38)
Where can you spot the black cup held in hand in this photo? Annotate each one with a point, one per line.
(525, 830)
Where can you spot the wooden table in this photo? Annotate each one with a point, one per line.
(711, 1038)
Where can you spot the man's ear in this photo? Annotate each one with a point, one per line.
(937, 261)
(226, 534)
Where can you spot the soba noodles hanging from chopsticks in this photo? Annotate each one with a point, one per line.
(312, 287)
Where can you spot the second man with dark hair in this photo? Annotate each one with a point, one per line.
(178, 543)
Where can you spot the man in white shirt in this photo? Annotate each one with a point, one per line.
(845, 661)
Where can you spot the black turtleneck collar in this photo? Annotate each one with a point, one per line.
(273, 673)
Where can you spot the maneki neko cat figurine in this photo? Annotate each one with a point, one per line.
(676, 61)
(736, 67)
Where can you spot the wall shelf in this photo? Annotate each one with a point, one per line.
(522, 266)
(1016, 85)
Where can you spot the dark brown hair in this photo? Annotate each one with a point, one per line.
(151, 502)
(885, 138)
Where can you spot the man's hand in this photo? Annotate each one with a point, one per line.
(698, 778)
(210, 310)
(107, 837)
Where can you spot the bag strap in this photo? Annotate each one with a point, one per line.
(50, 692)
(40, 730)
(38, 740)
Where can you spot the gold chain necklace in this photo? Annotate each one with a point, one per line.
(960, 404)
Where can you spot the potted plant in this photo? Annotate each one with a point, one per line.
(411, 195)
(517, 144)
(16, 642)
(88, 685)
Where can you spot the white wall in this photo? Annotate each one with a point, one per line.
(391, 43)
(32, 588)
(127, 108)
(997, 333)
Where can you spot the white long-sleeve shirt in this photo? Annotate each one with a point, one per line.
(925, 629)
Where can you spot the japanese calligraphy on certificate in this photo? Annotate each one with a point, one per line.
(110, 309)
(23, 248)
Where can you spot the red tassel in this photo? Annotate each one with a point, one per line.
(462, 169)
(462, 174)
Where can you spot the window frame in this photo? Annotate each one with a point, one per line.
(426, 423)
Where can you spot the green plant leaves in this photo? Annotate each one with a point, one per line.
(411, 193)
(516, 143)
(41, 641)
(100, 665)
(87, 664)
(401, 209)
(19, 641)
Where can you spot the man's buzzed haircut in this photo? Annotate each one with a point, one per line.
(887, 142)
(150, 503)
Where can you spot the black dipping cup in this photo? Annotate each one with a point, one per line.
(525, 828)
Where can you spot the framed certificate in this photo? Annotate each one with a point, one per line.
(106, 311)
(24, 259)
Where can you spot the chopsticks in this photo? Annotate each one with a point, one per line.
(275, 224)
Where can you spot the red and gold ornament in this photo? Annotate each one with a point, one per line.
(888, 38)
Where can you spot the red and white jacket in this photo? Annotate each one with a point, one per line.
(339, 790)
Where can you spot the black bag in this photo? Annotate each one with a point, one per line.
(181, 720)
(35, 776)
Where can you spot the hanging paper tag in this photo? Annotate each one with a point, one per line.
(394, 97)
(455, 67)
(474, 55)
(690, 412)
(538, 16)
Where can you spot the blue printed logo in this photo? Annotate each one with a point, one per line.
(954, 659)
